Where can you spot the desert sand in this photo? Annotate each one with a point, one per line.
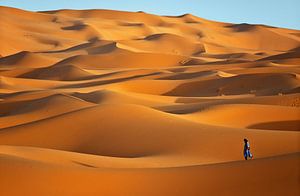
(102, 102)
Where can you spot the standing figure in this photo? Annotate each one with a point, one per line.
(247, 152)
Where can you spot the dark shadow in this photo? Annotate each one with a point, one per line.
(75, 27)
(131, 24)
(154, 36)
(73, 48)
(84, 164)
(243, 27)
(286, 55)
(97, 83)
(292, 125)
(182, 76)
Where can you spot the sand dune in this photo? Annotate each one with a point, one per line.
(186, 179)
(65, 72)
(247, 116)
(266, 84)
(26, 59)
(102, 102)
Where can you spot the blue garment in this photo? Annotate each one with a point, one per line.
(247, 152)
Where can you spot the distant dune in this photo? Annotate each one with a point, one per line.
(102, 102)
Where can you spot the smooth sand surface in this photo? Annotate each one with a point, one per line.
(102, 102)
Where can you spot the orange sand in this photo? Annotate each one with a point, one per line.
(101, 102)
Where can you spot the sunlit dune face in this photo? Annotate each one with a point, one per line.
(101, 102)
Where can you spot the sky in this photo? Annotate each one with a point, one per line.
(280, 13)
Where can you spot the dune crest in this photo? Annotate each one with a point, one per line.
(103, 102)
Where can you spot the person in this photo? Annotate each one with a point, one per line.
(247, 152)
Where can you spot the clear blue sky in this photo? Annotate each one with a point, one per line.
(282, 13)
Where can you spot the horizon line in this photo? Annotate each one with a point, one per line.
(141, 11)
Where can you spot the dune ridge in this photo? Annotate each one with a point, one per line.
(104, 102)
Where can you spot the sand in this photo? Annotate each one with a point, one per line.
(102, 102)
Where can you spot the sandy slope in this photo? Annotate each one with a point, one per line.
(101, 102)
